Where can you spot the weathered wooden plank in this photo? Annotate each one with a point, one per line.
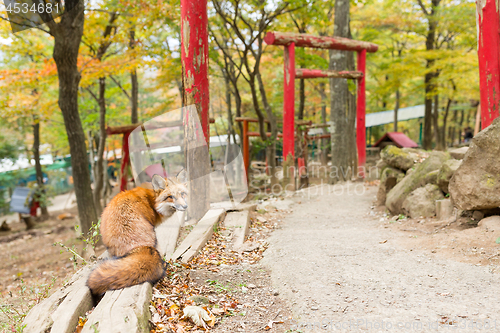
(231, 207)
(303, 73)
(76, 304)
(199, 236)
(239, 224)
(50, 314)
(122, 311)
(167, 234)
(319, 42)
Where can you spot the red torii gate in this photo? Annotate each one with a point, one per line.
(488, 27)
(290, 41)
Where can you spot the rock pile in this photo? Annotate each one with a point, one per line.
(413, 180)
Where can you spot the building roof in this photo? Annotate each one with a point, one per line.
(387, 117)
(399, 139)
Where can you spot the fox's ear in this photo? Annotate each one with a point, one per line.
(182, 176)
(158, 183)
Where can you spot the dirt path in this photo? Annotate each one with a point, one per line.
(341, 270)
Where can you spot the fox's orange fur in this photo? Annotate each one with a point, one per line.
(127, 230)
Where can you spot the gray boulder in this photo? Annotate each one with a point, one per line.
(389, 178)
(416, 179)
(446, 172)
(476, 183)
(431, 178)
(422, 201)
(459, 153)
(398, 158)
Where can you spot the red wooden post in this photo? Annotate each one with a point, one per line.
(194, 57)
(125, 162)
(488, 27)
(361, 110)
(246, 147)
(289, 103)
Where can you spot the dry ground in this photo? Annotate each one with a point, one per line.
(253, 294)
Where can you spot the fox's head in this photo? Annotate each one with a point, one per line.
(171, 193)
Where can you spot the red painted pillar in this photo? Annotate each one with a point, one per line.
(246, 147)
(361, 112)
(125, 162)
(488, 27)
(289, 103)
(194, 57)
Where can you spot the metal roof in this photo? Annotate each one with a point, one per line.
(399, 139)
(387, 117)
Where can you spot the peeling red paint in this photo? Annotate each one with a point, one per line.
(289, 102)
(302, 73)
(360, 114)
(290, 41)
(194, 56)
(319, 42)
(488, 27)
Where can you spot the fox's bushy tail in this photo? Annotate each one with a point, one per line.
(143, 264)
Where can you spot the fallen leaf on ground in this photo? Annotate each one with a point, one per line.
(197, 314)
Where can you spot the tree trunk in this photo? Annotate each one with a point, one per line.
(429, 83)
(460, 126)
(302, 98)
(339, 96)
(324, 142)
(67, 37)
(134, 96)
(445, 119)
(38, 168)
(396, 109)
(435, 122)
(453, 126)
(271, 148)
(99, 169)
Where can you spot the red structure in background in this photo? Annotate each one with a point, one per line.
(292, 40)
(125, 130)
(488, 27)
(194, 57)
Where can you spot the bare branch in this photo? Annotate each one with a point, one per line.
(421, 4)
(120, 86)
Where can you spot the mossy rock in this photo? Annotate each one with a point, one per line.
(431, 177)
(398, 158)
(389, 178)
(416, 179)
(422, 201)
(445, 173)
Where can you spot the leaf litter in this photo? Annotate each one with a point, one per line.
(183, 304)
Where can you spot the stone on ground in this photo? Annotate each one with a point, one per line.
(416, 179)
(491, 223)
(431, 178)
(398, 158)
(422, 201)
(446, 172)
(444, 209)
(476, 183)
(459, 153)
(389, 178)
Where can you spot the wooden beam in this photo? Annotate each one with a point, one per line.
(302, 73)
(318, 42)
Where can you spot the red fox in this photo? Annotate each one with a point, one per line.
(127, 230)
